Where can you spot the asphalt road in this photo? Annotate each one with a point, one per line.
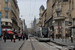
(8, 45)
(33, 44)
(30, 44)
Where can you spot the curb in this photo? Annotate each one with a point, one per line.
(58, 43)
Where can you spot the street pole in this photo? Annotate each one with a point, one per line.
(0, 25)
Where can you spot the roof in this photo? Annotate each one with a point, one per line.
(42, 7)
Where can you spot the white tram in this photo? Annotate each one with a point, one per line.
(43, 34)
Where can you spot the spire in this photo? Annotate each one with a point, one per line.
(34, 20)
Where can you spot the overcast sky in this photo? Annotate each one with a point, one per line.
(30, 9)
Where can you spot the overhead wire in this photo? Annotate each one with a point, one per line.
(34, 6)
(30, 8)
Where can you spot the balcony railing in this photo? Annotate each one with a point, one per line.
(6, 8)
(6, 0)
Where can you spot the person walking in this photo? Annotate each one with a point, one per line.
(11, 37)
(5, 36)
(23, 37)
(19, 36)
(53, 35)
(14, 38)
(56, 36)
(26, 35)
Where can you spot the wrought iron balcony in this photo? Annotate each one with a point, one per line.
(6, 8)
(6, 0)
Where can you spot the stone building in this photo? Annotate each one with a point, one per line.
(58, 17)
(71, 13)
(49, 18)
(10, 14)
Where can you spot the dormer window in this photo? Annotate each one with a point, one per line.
(65, 0)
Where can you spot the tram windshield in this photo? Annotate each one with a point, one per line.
(44, 30)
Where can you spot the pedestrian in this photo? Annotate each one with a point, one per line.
(14, 38)
(5, 36)
(11, 37)
(23, 37)
(19, 36)
(60, 35)
(67, 35)
(53, 36)
(56, 36)
(26, 35)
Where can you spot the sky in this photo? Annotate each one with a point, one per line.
(30, 9)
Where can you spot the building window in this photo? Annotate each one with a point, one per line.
(6, 14)
(59, 24)
(6, 23)
(65, 0)
(58, 14)
(58, 7)
(6, 4)
(66, 23)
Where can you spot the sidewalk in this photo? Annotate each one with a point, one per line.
(63, 42)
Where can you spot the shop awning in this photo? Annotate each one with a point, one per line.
(10, 32)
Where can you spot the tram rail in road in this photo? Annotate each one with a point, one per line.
(32, 44)
(53, 46)
(22, 45)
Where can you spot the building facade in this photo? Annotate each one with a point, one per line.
(20, 25)
(58, 18)
(71, 13)
(10, 14)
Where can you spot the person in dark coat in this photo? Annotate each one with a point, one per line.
(53, 36)
(56, 36)
(26, 35)
(11, 37)
(23, 37)
(5, 36)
